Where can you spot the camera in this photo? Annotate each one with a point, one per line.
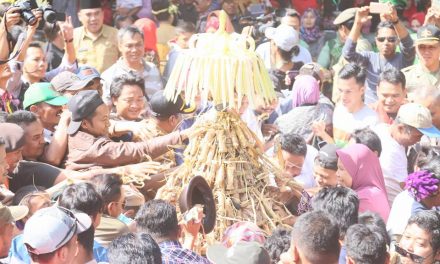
(49, 14)
(26, 7)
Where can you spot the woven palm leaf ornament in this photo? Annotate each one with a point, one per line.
(222, 148)
(221, 67)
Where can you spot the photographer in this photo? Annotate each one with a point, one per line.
(30, 66)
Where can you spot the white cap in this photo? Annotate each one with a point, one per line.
(285, 37)
(418, 116)
(51, 228)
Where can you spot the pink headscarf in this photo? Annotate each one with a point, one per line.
(148, 27)
(242, 231)
(305, 90)
(364, 168)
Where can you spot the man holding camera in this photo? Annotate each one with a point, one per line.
(96, 44)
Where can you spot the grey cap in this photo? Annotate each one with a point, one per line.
(345, 15)
(67, 81)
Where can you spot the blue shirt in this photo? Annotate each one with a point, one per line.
(19, 252)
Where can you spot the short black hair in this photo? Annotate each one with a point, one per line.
(428, 220)
(316, 235)
(158, 5)
(86, 239)
(353, 70)
(109, 186)
(26, 190)
(375, 220)
(433, 166)
(365, 245)
(393, 76)
(126, 79)
(185, 27)
(340, 202)
(369, 138)
(288, 55)
(384, 24)
(425, 154)
(35, 45)
(277, 243)
(292, 13)
(83, 197)
(294, 144)
(22, 118)
(157, 218)
(134, 248)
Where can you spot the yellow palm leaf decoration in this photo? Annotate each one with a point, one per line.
(221, 67)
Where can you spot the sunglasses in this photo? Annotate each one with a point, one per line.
(389, 39)
(415, 258)
(72, 228)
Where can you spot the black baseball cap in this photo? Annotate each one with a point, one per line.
(162, 107)
(82, 105)
(327, 157)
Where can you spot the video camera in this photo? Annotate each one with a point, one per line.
(260, 19)
(49, 15)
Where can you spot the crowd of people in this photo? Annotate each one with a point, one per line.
(356, 123)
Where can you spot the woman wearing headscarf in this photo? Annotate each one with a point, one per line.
(305, 109)
(310, 31)
(359, 169)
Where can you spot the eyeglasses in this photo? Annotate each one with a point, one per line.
(415, 258)
(389, 39)
(72, 229)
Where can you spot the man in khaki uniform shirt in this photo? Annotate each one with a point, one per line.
(427, 72)
(96, 44)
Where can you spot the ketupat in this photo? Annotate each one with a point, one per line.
(239, 175)
(222, 148)
(218, 66)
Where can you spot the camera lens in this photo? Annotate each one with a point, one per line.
(28, 17)
(50, 16)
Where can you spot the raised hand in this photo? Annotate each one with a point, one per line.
(362, 15)
(390, 14)
(66, 29)
(12, 16)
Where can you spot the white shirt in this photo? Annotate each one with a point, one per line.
(403, 207)
(47, 134)
(344, 122)
(306, 177)
(393, 161)
(264, 51)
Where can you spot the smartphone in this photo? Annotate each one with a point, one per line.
(378, 8)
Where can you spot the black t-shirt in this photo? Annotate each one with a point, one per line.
(278, 77)
(33, 173)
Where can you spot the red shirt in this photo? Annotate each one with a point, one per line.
(302, 5)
